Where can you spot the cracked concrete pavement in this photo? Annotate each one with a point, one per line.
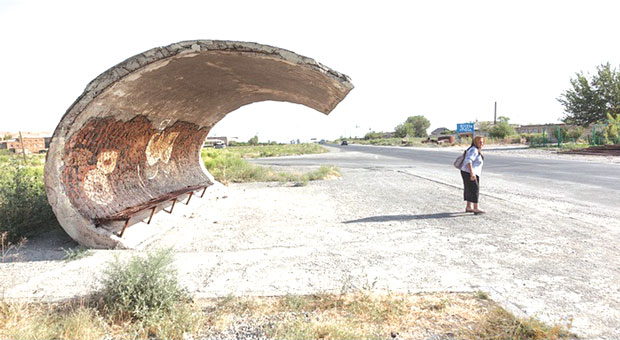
(396, 228)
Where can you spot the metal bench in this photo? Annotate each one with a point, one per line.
(127, 213)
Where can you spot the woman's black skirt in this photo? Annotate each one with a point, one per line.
(472, 188)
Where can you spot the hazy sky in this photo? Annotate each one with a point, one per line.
(446, 60)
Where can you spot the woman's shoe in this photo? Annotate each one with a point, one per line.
(479, 212)
(469, 210)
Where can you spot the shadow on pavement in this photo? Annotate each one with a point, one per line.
(49, 246)
(389, 218)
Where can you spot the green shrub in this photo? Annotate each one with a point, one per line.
(374, 135)
(143, 288)
(229, 166)
(501, 130)
(140, 300)
(575, 133)
(531, 136)
(24, 209)
(513, 139)
(559, 133)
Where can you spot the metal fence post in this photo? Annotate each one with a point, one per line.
(593, 135)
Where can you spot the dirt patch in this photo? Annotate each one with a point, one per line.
(604, 150)
(365, 315)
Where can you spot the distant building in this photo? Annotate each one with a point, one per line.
(539, 128)
(31, 144)
(210, 141)
(439, 131)
(215, 140)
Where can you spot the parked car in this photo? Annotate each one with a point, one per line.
(322, 141)
(344, 142)
(219, 145)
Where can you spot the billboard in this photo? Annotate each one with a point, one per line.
(465, 128)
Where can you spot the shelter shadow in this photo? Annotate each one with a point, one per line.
(389, 218)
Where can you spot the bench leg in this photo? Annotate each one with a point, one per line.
(174, 200)
(125, 227)
(151, 217)
(203, 192)
(189, 198)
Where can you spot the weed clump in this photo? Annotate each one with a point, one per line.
(143, 288)
(77, 253)
(140, 299)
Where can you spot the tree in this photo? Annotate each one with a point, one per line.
(253, 140)
(502, 128)
(485, 126)
(591, 98)
(400, 131)
(414, 126)
(612, 130)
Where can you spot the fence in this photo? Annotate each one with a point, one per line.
(549, 139)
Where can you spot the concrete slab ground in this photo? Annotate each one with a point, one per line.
(396, 228)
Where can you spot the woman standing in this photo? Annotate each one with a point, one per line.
(470, 171)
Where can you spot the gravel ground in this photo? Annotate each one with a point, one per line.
(536, 252)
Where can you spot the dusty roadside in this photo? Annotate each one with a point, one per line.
(394, 227)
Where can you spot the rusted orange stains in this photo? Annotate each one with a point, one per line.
(96, 185)
(111, 165)
(159, 147)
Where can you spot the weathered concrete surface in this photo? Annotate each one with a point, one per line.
(135, 133)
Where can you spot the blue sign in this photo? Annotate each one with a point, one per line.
(465, 127)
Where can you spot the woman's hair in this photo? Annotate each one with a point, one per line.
(475, 141)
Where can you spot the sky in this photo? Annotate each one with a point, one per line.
(446, 60)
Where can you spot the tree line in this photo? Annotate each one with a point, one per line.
(594, 99)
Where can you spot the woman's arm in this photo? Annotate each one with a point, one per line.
(472, 176)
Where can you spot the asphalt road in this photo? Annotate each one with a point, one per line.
(593, 183)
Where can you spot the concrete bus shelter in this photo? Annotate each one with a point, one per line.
(129, 146)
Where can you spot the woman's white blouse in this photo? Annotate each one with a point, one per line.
(473, 156)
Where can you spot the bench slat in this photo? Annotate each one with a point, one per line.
(128, 212)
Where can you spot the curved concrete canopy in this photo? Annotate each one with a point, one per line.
(135, 134)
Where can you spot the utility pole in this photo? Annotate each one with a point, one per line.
(495, 115)
(21, 139)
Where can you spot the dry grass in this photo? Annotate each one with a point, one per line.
(359, 315)
(364, 315)
(85, 320)
(19, 320)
